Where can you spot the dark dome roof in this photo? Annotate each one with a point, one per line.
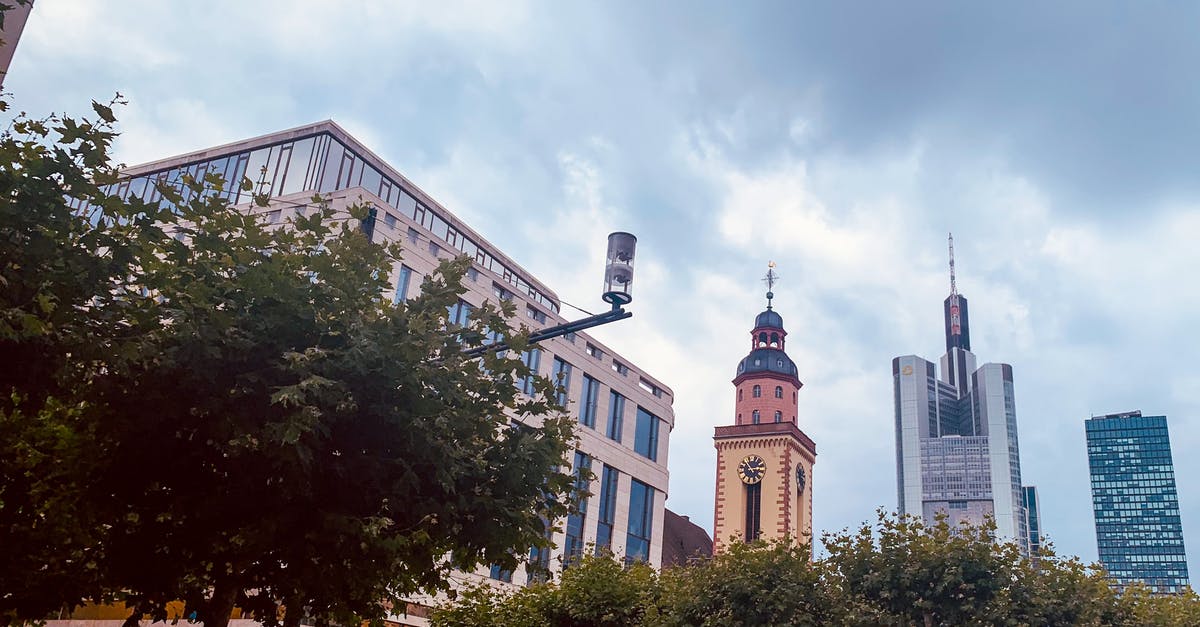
(769, 318)
(768, 360)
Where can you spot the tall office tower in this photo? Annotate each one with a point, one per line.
(625, 416)
(956, 435)
(1033, 517)
(764, 460)
(1138, 530)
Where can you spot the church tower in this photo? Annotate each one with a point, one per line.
(764, 460)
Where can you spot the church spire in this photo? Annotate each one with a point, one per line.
(770, 279)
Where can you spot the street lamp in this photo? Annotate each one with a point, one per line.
(618, 279)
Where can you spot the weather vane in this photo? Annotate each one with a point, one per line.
(770, 280)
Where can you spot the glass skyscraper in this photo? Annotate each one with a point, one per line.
(1033, 518)
(956, 433)
(1138, 530)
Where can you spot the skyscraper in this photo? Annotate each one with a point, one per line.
(956, 435)
(1033, 518)
(1138, 530)
(764, 460)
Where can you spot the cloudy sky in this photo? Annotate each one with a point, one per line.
(1057, 143)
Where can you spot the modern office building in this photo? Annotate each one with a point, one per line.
(1033, 517)
(956, 434)
(625, 416)
(1138, 530)
(764, 461)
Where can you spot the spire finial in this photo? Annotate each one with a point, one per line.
(953, 287)
(770, 280)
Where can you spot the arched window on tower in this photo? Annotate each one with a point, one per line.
(775, 340)
(779, 391)
(762, 338)
(755, 417)
(739, 394)
(778, 416)
(757, 392)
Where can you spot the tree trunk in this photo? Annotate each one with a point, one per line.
(928, 619)
(220, 607)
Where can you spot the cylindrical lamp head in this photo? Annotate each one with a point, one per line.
(618, 270)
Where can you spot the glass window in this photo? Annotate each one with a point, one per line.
(641, 521)
(531, 358)
(389, 220)
(402, 282)
(779, 391)
(645, 440)
(371, 179)
(577, 519)
(587, 409)
(757, 391)
(459, 313)
(500, 574)
(535, 314)
(562, 378)
(755, 417)
(616, 415)
(778, 416)
(608, 507)
(406, 204)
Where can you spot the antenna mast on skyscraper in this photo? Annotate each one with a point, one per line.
(955, 320)
(953, 287)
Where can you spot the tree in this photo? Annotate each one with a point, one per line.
(775, 583)
(930, 574)
(596, 591)
(237, 414)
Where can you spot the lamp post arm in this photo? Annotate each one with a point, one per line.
(616, 313)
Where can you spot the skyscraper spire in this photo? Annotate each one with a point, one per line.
(953, 287)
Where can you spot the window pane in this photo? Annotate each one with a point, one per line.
(646, 435)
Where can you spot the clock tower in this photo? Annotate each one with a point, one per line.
(764, 460)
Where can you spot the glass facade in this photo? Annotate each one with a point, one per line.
(587, 404)
(402, 284)
(608, 507)
(641, 521)
(320, 163)
(1033, 518)
(533, 359)
(577, 518)
(562, 378)
(1138, 529)
(645, 439)
(616, 416)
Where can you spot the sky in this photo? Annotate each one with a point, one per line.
(842, 141)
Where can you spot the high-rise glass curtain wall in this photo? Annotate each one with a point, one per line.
(1138, 528)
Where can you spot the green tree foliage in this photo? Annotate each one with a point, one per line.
(750, 584)
(197, 406)
(594, 592)
(896, 571)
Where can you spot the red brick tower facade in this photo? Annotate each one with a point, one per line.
(764, 460)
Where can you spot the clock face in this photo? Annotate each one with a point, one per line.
(800, 478)
(752, 469)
